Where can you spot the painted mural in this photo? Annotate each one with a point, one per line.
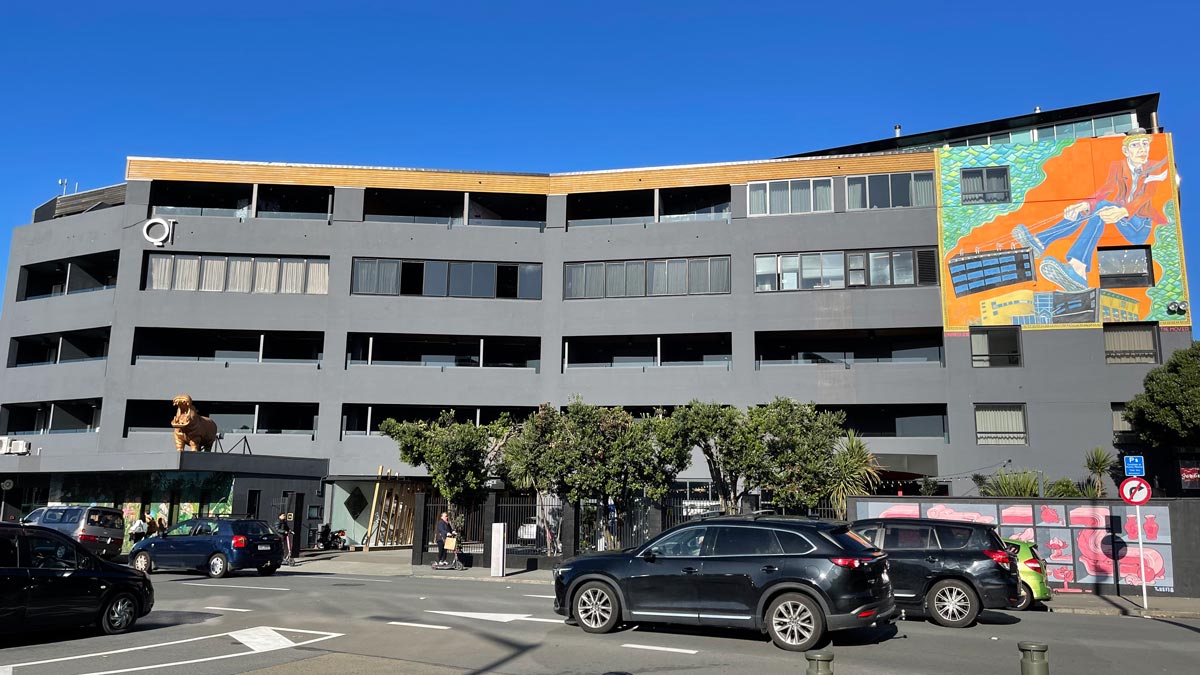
(1083, 544)
(1030, 249)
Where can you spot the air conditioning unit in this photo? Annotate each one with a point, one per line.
(18, 447)
(4, 441)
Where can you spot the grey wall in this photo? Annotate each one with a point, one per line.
(1064, 381)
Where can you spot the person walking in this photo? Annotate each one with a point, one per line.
(285, 530)
(137, 531)
(444, 529)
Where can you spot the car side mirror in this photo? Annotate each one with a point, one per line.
(650, 554)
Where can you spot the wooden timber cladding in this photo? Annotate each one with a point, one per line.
(147, 168)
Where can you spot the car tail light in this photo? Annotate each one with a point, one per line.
(1034, 564)
(851, 563)
(1001, 557)
(239, 541)
(88, 537)
(866, 614)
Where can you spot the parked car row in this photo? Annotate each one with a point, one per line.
(795, 579)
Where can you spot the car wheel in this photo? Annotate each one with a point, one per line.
(141, 562)
(267, 570)
(119, 615)
(218, 566)
(952, 603)
(597, 608)
(1024, 597)
(795, 622)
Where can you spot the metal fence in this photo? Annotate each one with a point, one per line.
(677, 511)
(604, 527)
(534, 523)
(467, 521)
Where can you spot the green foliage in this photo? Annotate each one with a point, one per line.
(1099, 462)
(736, 462)
(1063, 488)
(1023, 483)
(537, 456)
(799, 442)
(853, 471)
(927, 487)
(1167, 413)
(458, 455)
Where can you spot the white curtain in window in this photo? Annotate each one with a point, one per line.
(779, 197)
(241, 275)
(1120, 424)
(677, 277)
(1000, 424)
(801, 196)
(758, 199)
(1130, 344)
(718, 274)
(698, 276)
(266, 275)
(187, 272)
(318, 277)
(614, 284)
(980, 349)
(594, 281)
(212, 273)
(635, 278)
(158, 272)
(922, 189)
(656, 277)
(972, 183)
(789, 272)
(293, 275)
(997, 180)
(856, 193)
(389, 277)
(573, 281)
(822, 194)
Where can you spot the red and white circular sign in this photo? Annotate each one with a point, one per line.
(1135, 491)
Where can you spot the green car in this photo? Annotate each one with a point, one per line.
(1033, 574)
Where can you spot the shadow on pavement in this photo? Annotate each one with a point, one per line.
(151, 622)
(1184, 626)
(994, 618)
(860, 637)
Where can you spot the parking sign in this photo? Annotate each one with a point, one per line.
(1135, 465)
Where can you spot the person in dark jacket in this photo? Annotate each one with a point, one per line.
(444, 529)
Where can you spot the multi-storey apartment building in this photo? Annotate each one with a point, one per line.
(969, 296)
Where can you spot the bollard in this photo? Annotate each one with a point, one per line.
(819, 663)
(1033, 658)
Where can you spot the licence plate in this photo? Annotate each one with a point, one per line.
(264, 547)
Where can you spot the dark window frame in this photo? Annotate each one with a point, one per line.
(1126, 279)
(435, 278)
(989, 360)
(644, 275)
(986, 196)
(847, 269)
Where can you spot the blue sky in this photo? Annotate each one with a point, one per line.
(553, 86)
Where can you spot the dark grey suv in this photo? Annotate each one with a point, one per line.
(792, 578)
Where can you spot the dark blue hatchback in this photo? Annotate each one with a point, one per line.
(215, 545)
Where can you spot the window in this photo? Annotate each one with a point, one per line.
(1189, 474)
(8, 549)
(908, 537)
(792, 542)
(684, 543)
(49, 553)
(953, 537)
(212, 273)
(781, 197)
(1000, 424)
(637, 278)
(890, 191)
(995, 347)
(745, 541)
(1129, 267)
(985, 186)
(838, 269)
(1130, 343)
(434, 278)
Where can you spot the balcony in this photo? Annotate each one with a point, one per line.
(54, 348)
(709, 350)
(295, 202)
(76, 416)
(443, 351)
(431, 207)
(233, 419)
(67, 276)
(628, 207)
(185, 198)
(361, 419)
(506, 210)
(696, 203)
(227, 346)
(848, 347)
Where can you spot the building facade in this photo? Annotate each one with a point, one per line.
(948, 291)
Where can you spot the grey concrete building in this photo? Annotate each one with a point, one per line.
(300, 305)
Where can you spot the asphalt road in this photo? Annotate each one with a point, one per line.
(343, 625)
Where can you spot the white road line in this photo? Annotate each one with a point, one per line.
(534, 618)
(253, 588)
(417, 625)
(378, 581)
(652, 648)
(225, 609)
(548, 597)
(261, 639)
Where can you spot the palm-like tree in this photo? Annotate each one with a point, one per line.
(1099, 462)
(853, 471)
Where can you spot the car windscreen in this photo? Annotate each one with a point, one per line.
(252, 527)
(849, 540)
(111, 520)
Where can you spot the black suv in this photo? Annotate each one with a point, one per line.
(47, 580)
(950, 569)
(793, 578)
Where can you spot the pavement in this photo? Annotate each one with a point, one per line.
(399, 563)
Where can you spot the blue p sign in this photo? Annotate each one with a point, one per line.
(1135, 465)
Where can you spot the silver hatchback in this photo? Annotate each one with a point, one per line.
(99, 529)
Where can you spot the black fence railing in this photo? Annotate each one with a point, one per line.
(604, 527)
(467, 521)
(534, 523)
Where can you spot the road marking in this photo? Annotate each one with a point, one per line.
(412, 625)
(253, 588)
(548, 597)
(261, 639)
(652, 648)
(490, 616)
(221, 609)
(378, 581)
(322, 635)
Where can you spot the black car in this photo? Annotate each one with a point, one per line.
(47, 580)
(950, 569)
(793, 578)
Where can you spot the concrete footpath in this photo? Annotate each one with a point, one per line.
(396, 563)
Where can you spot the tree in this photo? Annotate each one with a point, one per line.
(459, 456)
(927, 487)
(1063, 488)
(853, 471)
(1099, 463)
(1022, 483)
(799, 442)
(1167, 413)
(736, 462)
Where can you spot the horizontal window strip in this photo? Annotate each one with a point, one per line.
(828, 270)
(262, 274)
(706, 275)
(446, 278)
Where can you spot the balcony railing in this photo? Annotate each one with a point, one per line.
(503, 222)
(201, 211)
(293, 215)
(426, 220)
(995, 360)
(628, 220)
(847, 359)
